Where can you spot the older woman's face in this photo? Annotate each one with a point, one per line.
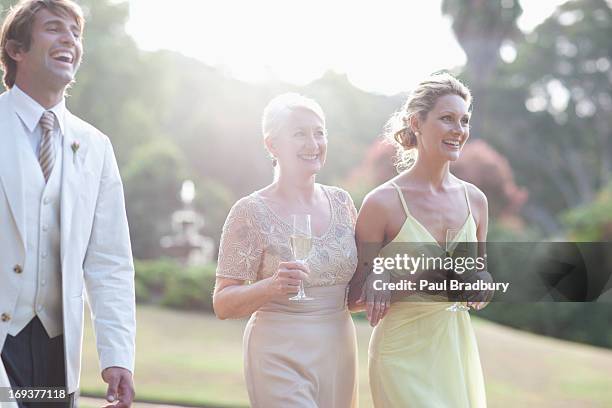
(446, 128)
(301, 145)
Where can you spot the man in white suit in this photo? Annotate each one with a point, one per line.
(63, 226)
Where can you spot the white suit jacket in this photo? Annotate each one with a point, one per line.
(95, 245)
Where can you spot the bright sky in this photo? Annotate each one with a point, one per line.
(385, 46)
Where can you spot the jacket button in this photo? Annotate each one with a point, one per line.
(5, 317)
(17, 269)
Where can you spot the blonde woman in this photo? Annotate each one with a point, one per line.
(421, 354)
(296, 353)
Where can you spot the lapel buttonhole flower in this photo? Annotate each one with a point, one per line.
(75, 148)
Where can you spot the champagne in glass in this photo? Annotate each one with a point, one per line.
(452, 235)
(301, 244)
(300, 247)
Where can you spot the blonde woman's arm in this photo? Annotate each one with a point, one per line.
(369, 237)
(480, 207)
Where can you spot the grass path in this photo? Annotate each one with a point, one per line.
(194, 358)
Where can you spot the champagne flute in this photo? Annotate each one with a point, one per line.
(301, 244)
(452, 234)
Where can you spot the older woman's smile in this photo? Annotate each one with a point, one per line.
(309, 157)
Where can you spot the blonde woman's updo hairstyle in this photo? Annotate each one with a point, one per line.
(420, 102)
(278, 110)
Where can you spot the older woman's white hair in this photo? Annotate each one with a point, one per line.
(278, 110)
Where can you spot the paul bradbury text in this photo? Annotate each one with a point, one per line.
(447, 285)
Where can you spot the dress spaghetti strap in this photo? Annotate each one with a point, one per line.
(467, 198)
(401, 196)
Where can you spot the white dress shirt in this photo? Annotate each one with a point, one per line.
(30, 112)
(41, 292)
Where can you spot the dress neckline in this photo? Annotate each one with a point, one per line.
(422, 227)
(332, 218)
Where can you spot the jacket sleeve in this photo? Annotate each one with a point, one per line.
(109, 271)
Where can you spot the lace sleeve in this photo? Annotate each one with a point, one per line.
(347, 205)
(240, 251)
(351, 208)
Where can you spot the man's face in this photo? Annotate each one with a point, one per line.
(55, 50)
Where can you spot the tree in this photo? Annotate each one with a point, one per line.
(376, 168)
(483, 166)
(481, 27)
(213, 200)
(110, 91)
(550, 110)
(153, 180)
(592, 222)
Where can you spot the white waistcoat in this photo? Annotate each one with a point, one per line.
(41, 290)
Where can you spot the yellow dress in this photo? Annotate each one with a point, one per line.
(420, 354)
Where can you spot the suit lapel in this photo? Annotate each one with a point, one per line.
(11, 163)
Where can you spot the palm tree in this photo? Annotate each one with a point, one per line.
(481, 27)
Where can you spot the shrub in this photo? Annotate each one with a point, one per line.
(165, 282)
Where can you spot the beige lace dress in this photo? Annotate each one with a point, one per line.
(296, 354)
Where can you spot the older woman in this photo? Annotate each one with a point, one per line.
(296, 353)
(423, 353)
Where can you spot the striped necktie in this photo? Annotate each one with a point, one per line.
(46, 154)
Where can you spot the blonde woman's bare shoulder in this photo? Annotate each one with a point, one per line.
(476, 195)
(373, 215)
(478, 199)
(381, 197)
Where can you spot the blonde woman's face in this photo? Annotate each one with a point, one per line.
(446, 128)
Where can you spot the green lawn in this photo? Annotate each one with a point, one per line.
(195, 358)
